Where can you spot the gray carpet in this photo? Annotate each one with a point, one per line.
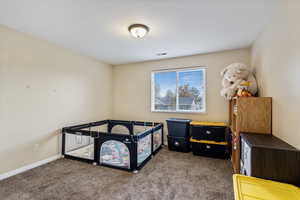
(169, 175)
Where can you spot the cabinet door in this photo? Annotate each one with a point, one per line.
(254, 114)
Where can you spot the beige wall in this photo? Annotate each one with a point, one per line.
(276, 58)
(44, 87)
(131, 86)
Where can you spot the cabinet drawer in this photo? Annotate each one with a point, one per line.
(211, 150)
(213, 133)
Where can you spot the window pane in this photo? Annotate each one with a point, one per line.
(191, 90)
(165, 91)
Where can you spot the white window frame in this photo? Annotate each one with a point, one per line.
(177, 70)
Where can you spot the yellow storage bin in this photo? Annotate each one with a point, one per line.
(208, 142)
(250, 188)
(212, 131)
(199, 123)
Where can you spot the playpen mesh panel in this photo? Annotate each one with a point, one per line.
(102, 128)
(120, 129)
(140, 129)
(80, 146)
(157, 139)
(144, 148)
(115, 153)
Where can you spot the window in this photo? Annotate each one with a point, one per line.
(181, 90)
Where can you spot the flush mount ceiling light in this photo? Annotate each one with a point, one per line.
(138, 30)
(162, 54)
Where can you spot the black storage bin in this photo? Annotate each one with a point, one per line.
(210, 150)
(178, 127)
(213, 133)
(181, 144)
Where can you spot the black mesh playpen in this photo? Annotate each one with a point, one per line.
(118, 144)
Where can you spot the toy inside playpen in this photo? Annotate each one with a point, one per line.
(120, 144)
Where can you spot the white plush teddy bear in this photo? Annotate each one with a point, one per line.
(233, 76)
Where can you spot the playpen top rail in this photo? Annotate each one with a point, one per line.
(87, 125)
(78, 129)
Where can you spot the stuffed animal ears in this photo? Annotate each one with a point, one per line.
(241, 70)
(223, 72)
(241, 67)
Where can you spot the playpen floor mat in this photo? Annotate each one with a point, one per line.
(86, 152)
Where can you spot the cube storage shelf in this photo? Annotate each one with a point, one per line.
(126, 145)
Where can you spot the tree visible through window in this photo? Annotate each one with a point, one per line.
(178, 90)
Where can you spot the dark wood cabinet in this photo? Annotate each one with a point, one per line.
(266, 156)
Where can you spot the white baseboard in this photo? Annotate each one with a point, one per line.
(28, 167)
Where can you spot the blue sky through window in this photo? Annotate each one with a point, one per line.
(166, 81)
(192, 78)
(187, 93)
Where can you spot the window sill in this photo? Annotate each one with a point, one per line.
(180, 112)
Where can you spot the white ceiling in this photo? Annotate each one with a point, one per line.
(98, 28)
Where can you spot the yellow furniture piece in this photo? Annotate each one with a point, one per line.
(208, 123)
(250, 188)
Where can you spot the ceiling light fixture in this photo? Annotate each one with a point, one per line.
(138, 30)
(162, 54)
